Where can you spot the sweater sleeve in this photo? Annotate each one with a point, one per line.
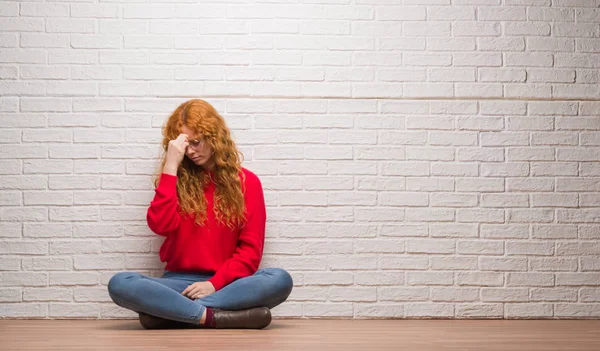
(248, 253)
(162, 216)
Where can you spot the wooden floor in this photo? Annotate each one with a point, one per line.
(311, 335)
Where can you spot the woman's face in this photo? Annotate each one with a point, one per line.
(199, 150)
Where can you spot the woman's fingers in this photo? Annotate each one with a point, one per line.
(184, 142)
(191, 290)
(182, 138)
(188, 290)
(196, 291)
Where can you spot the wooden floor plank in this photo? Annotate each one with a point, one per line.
(311, 335)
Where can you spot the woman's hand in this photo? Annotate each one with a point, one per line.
(199, 290)
(175, 153)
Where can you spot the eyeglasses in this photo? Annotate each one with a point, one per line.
(197, 143)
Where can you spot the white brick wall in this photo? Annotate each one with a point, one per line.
(420, 158)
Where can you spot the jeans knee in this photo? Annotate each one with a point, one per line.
(117, 284)
(283, 281)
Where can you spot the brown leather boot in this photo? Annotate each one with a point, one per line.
(253, 318)
(149, 321)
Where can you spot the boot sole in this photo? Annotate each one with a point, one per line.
(152, 322)
(260, 321)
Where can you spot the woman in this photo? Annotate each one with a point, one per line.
(212, 214)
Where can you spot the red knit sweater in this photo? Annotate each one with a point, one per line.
(188, 247)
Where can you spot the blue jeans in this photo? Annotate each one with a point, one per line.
(162, 297)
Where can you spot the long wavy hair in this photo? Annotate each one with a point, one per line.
(229, 206)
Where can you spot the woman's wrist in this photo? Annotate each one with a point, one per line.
(170, 169)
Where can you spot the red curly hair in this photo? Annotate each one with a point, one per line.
(229, 205)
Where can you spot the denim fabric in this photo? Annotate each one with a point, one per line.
(162, 297)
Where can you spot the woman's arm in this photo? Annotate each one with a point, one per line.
(249, 250)
(162, 216)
